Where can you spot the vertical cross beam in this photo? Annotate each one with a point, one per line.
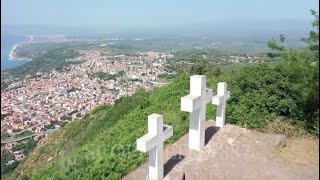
(153, 144)
(197, 118)
(220, 99)
(195, 104)
(155, 128)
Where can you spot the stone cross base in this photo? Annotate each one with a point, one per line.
(230, 153)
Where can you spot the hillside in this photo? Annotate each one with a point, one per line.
(89, 145)
(102, 144)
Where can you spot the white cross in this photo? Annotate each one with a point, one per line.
(220, 99)
(195, 104)
(153, 142)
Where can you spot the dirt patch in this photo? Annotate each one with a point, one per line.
(282, 125)
(301, 151)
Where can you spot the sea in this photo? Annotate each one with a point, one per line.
(7, 43)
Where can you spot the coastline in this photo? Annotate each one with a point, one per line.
(12, 57)
(10, 46)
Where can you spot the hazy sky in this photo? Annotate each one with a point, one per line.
(150, 13)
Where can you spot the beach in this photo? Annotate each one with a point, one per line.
(12, 52)
(9, 44)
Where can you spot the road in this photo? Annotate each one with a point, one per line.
(16, 139)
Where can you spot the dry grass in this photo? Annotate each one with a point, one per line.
(299, 147)
(282, 125)
(302, 151)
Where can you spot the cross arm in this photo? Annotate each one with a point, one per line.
(218, 99)
(190, 103)
(227, 95)
(167, 131)
(147, 142)
(209, 94)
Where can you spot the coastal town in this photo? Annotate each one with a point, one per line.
(42, 104)
(35, 106)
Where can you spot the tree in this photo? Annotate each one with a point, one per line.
(302, 69)
(203, 66)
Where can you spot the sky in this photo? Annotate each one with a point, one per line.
(144, 14)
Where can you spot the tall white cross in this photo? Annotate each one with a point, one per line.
(153, 143)
(220, 99)
(195, 104)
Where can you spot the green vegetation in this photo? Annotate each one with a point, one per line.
(27, 146)
(190, 55)
(114, 129)
(50, 126)
(52, 59)
(18, 136)
(105, 76)
(100, 75)
(204, 66)
(73, 89)
(260, 93)
(302, 71)
(4, 85)
(17, 139)
(102, 145)
(35, 50)
(7, 169)
(3, 116)
(167, 76)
